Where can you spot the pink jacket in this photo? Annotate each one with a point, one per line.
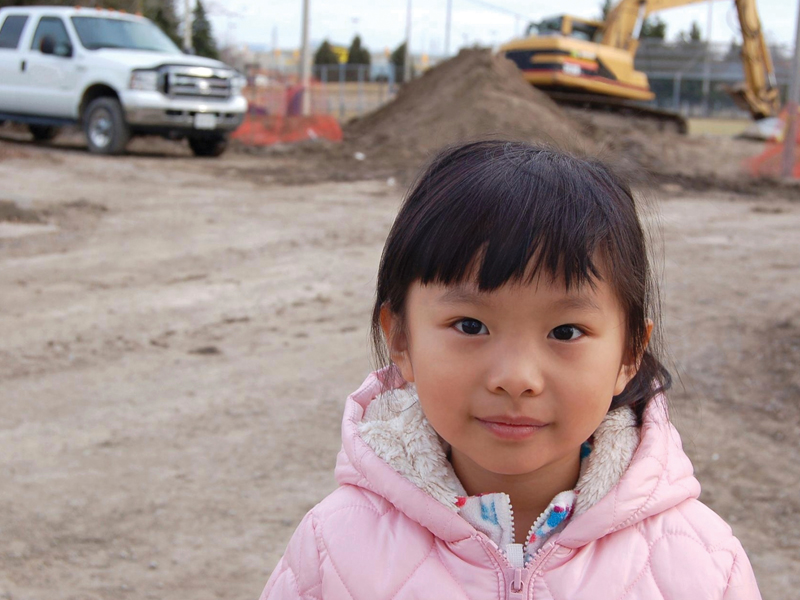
(379, 536)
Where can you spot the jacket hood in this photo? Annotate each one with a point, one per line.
(630, 475)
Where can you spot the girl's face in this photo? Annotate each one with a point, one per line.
(515, 380)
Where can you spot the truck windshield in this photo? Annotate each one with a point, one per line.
(98, 32)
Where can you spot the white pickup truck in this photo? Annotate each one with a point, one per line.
(116, 75)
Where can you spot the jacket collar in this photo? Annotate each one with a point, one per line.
(390, 448)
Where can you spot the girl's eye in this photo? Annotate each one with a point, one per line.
(471, 327)
(566, 333)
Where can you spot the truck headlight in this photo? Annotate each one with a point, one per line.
(145, 80)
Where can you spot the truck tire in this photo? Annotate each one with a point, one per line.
(44, 133)
(211, 146)
(105, 127)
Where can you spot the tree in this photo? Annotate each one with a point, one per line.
(162, 13)
(605, 8)
(694, 35)
(398, 59)
(202, 36)
(734, 51)
(325, 55)
(356, 55)
(398, 56)
(655, 28)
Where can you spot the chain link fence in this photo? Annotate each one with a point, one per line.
(687, 77)
(344, 91)
(690, 77)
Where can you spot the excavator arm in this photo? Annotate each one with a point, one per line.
(758, 93)
(624, 22)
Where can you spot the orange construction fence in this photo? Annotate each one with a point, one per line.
(770, 162)
(266, 130)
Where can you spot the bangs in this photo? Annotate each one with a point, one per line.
(503, 212)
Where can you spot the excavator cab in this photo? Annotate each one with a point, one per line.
(567, 26)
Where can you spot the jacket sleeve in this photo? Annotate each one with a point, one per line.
(297, 574)
(742, 581)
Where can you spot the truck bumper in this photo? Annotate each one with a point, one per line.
(152, 110)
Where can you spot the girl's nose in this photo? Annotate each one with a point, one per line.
(518, 374)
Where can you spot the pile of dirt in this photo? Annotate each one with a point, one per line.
(475, 95)
(478, 95)
(638, 147)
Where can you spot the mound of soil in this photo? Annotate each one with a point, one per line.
(478, 95)
(473, 96)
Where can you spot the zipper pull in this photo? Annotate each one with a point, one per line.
(516, 589)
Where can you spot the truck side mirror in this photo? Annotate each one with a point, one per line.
(48, 45)
(64, 49)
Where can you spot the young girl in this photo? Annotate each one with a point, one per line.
(517, 445)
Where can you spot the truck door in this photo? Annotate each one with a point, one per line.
(11, 62)
(52, 78)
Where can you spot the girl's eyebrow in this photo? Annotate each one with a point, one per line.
(462, 295)
(576, 303)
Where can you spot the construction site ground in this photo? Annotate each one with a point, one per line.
(178, 337)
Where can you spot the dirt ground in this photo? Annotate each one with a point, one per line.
(177, 338)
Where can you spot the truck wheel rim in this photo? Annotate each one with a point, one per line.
(101, 128)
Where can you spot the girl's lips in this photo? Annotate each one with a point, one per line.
(511, 428)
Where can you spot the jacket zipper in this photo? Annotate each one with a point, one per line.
(528, 535)
(517, 588)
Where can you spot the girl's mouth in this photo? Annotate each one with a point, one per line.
(511, 428)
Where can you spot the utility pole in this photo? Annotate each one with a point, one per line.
(187, 27)
(305, 63)
(448, 22)
(407, 60)
(707, 65)
(793, 101)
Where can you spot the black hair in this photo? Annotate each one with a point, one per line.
(500, 212)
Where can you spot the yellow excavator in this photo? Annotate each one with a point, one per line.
(589, 63)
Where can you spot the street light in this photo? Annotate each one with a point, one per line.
(305, 59)
(407, 58)
(187, 26)
(792, 105)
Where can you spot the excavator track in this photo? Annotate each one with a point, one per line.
(666, 120)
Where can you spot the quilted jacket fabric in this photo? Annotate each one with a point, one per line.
(380, 537)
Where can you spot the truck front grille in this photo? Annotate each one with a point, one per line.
(198, 82)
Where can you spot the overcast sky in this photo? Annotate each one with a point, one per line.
(381, 23)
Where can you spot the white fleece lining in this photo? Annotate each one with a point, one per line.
(395, 427)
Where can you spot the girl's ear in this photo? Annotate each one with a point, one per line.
(397, 341)
(629, 368)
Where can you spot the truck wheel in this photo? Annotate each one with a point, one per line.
(105, 126)
(208, 145)
(44, 133)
